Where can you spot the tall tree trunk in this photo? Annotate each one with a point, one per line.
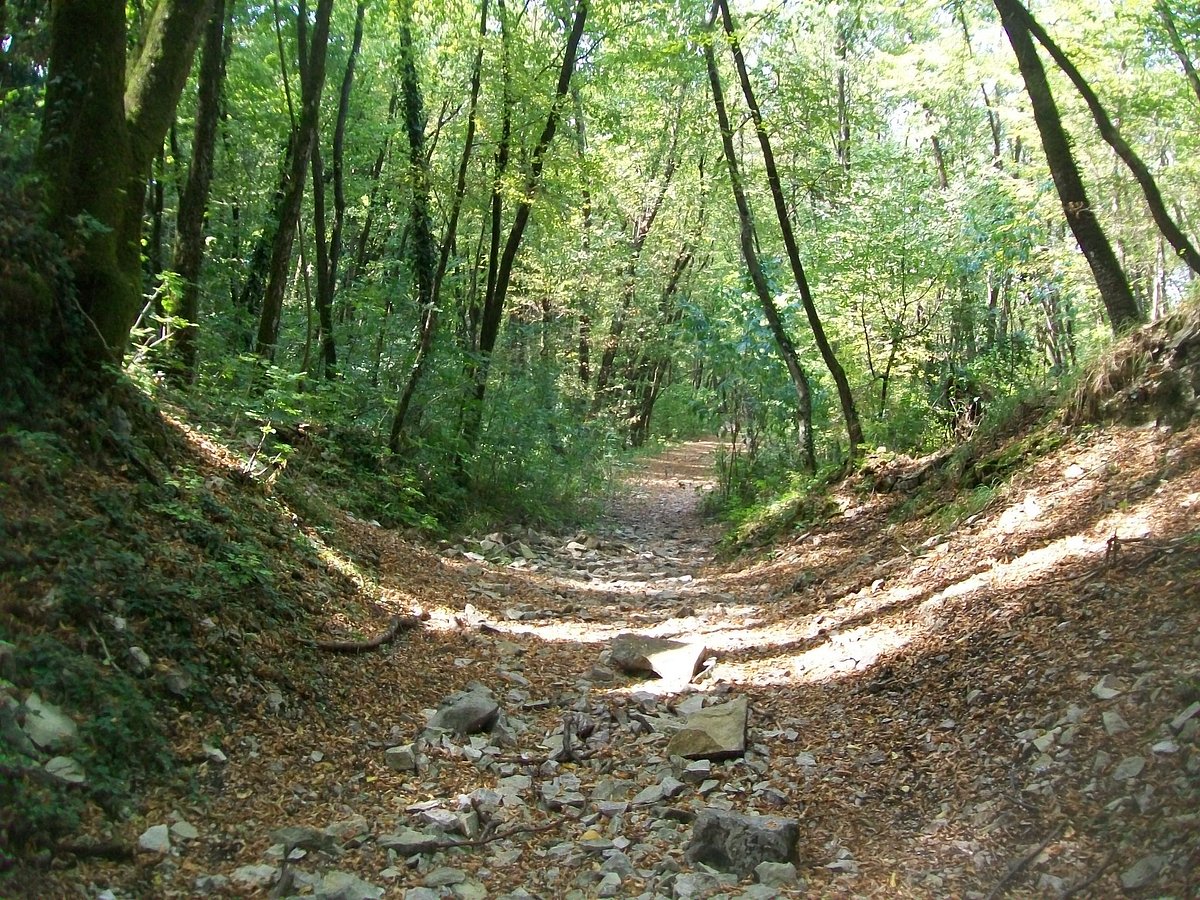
(154, 256)
(193, 202)
(329, 255)
(1177, 45)
(422, 257)
(418, 159)
(649, 378)
(585, 300)
(501, 164)
(841, 52)
(321, 248)
(103, 122)
(312, 82)
(1158, 210)
(787, 350)
(250, 297)
(493, 308)
(845, 396)
(1110, 279)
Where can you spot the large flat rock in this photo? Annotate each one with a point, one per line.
(716, 732)
(675, 661)
(48, 726)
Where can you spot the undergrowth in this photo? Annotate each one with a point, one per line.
(1154, 373)
(107, 577)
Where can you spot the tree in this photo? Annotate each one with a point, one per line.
(1177, 45)
(1158, 210)
(493, 307)
(1081, 217)
(422, 253)
(639, 228)
(849, 411)
(329, 252)
(429, 280)
(193, 202)
(783, 341)
(104, 120)
(304, 136)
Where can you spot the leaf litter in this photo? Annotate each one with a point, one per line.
(1002, 703)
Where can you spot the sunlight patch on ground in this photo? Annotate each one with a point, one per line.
(841, 653)
(846, 650)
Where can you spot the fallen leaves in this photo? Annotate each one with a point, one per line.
(977, 710)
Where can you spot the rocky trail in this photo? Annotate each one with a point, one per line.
(893, 701)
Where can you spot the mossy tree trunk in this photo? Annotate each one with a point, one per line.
(1112, 136)
(104, 120)
(428, 277)
(313, 56)
(422, 254)
(329, 252)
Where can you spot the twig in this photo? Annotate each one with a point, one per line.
(1020, 865)
(108, 660)
(1087, 882)
(249, 470)
(494, 836)
(398, 624)
(1016, 784)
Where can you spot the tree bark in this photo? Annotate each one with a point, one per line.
(429, 301)
(193, 202)
(312, 82)
(845, 396)
(321, 269)
(783, 342)
(1106, 270)
(1158, 210)
(1177, 45)
(422, 255)
(584, 345)
(102, 124)
(329, 255)
(493, 309)
(841, 52)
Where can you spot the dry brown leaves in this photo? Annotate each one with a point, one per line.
(898, 677)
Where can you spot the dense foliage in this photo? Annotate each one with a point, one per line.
(518, 217)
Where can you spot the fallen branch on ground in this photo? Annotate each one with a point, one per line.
(112, 850)
(397, 625)
(1021, 864)
(1087, 882)
(498, 835)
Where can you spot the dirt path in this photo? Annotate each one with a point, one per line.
(933, 694)
(662, 497)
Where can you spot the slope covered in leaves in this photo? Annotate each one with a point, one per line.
(956, 693)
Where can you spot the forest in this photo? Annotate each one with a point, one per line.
(655, 448)
(501, 242)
